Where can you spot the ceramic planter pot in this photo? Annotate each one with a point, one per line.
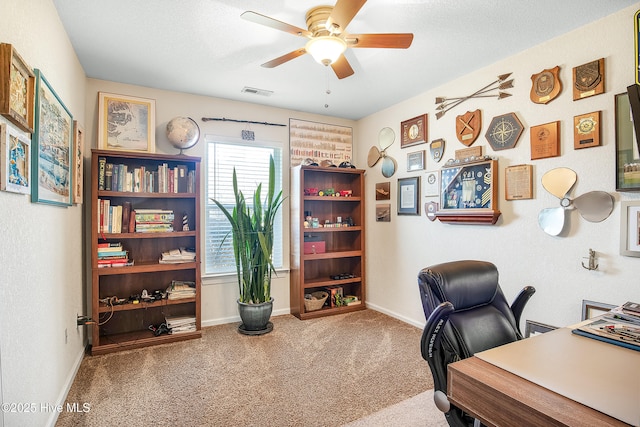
(255, 318)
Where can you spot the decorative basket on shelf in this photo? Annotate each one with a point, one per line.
(316, 301)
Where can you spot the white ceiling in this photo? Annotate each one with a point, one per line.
(203, 47)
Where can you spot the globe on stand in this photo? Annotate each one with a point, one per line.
(183, 132)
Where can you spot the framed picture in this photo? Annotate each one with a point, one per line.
(593, 308)
(16, 160)
(126, 123)
(17, 85)
(545, 140)
(408, 194)
(518, 182)
(52, 147)
(627, 147)
(414, 131)
(630, 228)
(586, 130)
(533, 328)
(78, 162)
(383, 190)
(383, 212)
(415, 161)
(432, 183)
(318, 142)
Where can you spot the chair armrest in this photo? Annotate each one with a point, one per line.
(519, 303)
(429, 343)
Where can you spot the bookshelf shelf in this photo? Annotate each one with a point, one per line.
(342, 248)
(174, 191)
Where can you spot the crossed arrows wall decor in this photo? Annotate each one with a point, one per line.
(445, 104)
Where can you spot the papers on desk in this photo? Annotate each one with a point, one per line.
(620, 326)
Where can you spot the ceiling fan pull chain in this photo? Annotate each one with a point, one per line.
(328, 91)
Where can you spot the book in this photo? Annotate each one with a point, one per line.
(182, 179)
(110, 245)
(613, 329)
(126, 214)
(108, 176)
(102, 161)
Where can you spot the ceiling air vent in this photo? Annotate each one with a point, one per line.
(254, 91)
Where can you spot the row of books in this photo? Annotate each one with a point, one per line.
(166, 179)
(178, 256)
(180, 324)
(180, 289)
(124, 219)
(154, 220)
(619, 326)
(112, 254)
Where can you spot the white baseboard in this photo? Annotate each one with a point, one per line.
(53, 418)
(234, 319)
(396, 315)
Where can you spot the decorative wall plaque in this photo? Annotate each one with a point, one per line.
(504, 131)
(414, 131)
(546, 85)
(468, 127)
(588, 79)
(17, 88)
(545, 141)
(437, 149)
(469, 153)
(415, 160)
(518, 182)
(586, 130)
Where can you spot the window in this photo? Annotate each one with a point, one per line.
(252, 167)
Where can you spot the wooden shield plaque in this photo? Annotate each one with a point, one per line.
(588, 79)
(437, 149)
(468, 127)
(546, 85)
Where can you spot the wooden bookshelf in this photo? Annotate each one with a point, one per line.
(125, 326)
(344, 246)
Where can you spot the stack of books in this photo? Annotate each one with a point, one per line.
(180, 289)
(180, 324)
(112, 254)
(178, 256)
(154, 220)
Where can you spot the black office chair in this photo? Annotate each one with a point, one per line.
(466, 313)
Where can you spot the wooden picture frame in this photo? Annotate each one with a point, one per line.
(545, 140)
(409, 196)
(16, 160)
(415, 160)
(469, 193)
(593, 308)
(518, 182)
(17, 86)
(78, 162)
(414, 131)
(533, 328)
(586, 130)
(630, 228)
(52, 144)
(126, 123)
(383, 190)
(383, 212)
(588, 79)
(627, 146)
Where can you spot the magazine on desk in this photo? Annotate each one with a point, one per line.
(620, 326)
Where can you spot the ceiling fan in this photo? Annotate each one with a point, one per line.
(328, 39)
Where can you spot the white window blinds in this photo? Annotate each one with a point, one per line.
(252, 167)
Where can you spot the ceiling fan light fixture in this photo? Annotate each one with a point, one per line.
(326, 49)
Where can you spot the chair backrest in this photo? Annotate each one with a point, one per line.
(482, 318)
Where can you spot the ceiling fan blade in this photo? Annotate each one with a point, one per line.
(559, 181)
(284, 58)
(594, 206)
(387, 41)
(342, 13)
(374, 156)
(274, 23)
(342, 68)
(552, 220)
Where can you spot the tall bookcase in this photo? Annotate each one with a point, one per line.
(125, 324)
(334, 256)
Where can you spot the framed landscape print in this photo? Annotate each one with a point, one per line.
(78, 161)
(126, 123)
(17, 83)
(319, 142)
(52, 147)
(16, 157)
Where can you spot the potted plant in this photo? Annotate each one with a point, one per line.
(252, 234)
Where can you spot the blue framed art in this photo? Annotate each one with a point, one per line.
(51, 146)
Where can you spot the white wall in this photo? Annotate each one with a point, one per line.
(524, 254)
(219, 295)
(41, 284)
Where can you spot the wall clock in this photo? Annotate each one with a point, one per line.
(504, 131)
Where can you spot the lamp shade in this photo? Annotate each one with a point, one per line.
(326, 49)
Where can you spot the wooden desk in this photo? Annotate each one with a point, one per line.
(526, 383)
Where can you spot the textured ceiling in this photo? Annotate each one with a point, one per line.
(203, 47)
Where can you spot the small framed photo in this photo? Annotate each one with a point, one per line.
(383, 212)
(415, 161)
(630, 229)
(586, 130)
(408, 195)
(518, 182)
(126, 123)
(17, 85)
(78, 162)
(52, 147)
(432, 183)
(383, 190)
(593, 308)
(533, 328)
(16, 160)
(414, 131)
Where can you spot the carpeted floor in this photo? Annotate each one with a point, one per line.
(322, 372)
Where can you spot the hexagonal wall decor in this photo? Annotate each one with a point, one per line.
(504, 131)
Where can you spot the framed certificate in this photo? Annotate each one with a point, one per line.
(414, 131)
